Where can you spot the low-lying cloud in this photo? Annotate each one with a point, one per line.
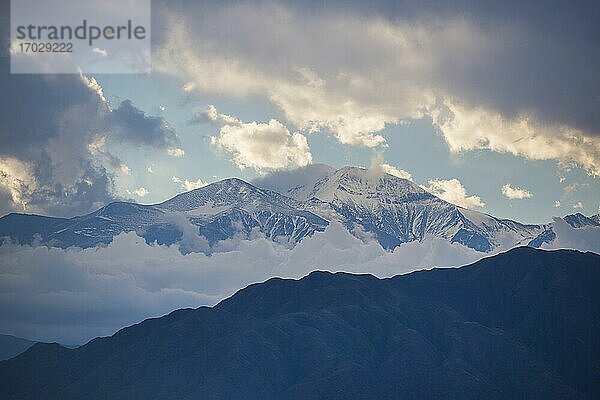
(73, 295)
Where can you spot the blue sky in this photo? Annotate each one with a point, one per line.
(491, 106)
(415, 146)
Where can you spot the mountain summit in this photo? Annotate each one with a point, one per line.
(391, 209)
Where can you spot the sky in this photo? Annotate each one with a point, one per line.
(490, 105)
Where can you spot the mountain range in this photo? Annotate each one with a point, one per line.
(393, 210)
(11, 346)
(519, 325)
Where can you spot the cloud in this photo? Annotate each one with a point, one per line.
(585, 238)
(557, 204)
(352, 73)
(570, 189)
(578, 205)
(18, 178)
(470, 128)
(260, 146)
(133, 125)
(189, 185)
(453, 192)
(73, 295)
(400, 173)
(379, 167)
(57, 135)
(515, 193)
(150, 169)
(99, 51)
(175, 152)
(211, 115)
(141, 192)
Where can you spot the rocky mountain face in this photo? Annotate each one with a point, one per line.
(397, 211)
(522, 324)
(390, 209)
(218, 211)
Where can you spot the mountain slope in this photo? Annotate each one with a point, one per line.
(523, 324)
(391, 209)
(218, 211)
(397, 211)
(11, 346)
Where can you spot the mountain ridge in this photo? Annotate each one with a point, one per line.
(507, 326)
(392, 209)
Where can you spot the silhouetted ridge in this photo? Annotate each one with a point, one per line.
(523, 324)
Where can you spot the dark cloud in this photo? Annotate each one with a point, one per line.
(545, 61)
(53, 135)
(137, 127)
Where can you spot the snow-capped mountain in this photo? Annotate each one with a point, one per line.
(218, 211)
(397, 211)
(368, 203)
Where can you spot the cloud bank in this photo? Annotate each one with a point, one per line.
(73, 295)
(511, 78)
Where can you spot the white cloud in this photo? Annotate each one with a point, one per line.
(189, 185)
(340, 102)
(352, 76)
(515, 193)
(467, 128)
(124, 168)
(400, 173)
(212, 115)
(453, 192)
(570, 189)
(557, 204)
(175, 152)
(578, 205)
(378, 167)
(101, 52)
(150, 169)
(141, 192)
(72, 295)
(261, 146)
(18, 178)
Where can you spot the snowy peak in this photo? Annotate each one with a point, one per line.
(226, 194)
(360, 184)
(391, 209)
(579, 220)
(297, 183)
